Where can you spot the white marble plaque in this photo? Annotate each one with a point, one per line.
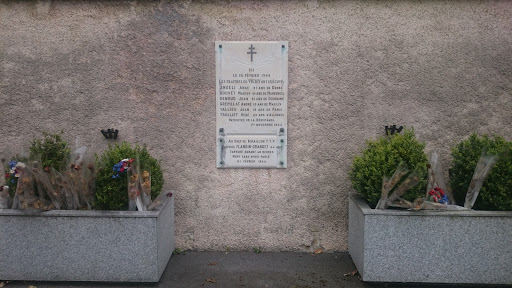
(252, 92)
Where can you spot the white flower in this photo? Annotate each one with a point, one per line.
(20, 165)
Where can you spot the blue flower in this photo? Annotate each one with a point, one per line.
(121, 167)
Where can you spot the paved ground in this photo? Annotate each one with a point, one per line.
(248, 269)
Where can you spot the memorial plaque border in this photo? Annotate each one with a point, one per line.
(258, 147)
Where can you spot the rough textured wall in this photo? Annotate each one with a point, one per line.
(148, 69)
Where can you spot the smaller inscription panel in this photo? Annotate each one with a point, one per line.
(251, 98)
(262, 151)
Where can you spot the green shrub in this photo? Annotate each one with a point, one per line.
(53, 150)
(112, 193)
(496, 192)
(381, 158)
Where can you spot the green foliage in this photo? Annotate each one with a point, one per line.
(381, 158)
(496, 192)
(112, 194)
(53, 150)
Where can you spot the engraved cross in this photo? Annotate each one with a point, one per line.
(251, 52)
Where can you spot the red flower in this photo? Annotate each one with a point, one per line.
(439, 190)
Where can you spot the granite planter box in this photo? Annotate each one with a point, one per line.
(63, 245)
(432, 247)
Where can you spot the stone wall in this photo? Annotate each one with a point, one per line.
(147, 68)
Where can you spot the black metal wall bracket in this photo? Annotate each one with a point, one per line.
(390, 130)
(110, 133)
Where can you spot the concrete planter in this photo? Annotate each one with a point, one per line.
(433, 247)
(65, 245)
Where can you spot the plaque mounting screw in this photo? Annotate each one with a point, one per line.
(220, 46)
(220, 140)
(281, 130)
(221, 130)
(221, 162)
(282, 140)
(281, 162)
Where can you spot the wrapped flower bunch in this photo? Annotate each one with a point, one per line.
(55, 176)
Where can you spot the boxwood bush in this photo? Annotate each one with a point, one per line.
(381, 158)
(53, 150)
(496, 192)
(112, 193)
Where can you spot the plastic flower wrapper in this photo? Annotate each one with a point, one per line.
(134, 188)
(76, 184)
(389, 184)
(159, 201)
(4, 197)
(61, 187)
(4, 189)
(87, 184)
(436, 179)
(482, 170)
(3, 160)
(16, 169)
(68, 193)
(42, 205)
(44, 185)
(412, 180)
(24, 189)
(402, 203)
(90, 176)
(35, 166)
(40, 191)
(35, 203)
(56, 182)
(77, 157)
(146, 188)
(421, 204)
(74, 175)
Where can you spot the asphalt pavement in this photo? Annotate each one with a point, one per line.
(249, 269)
